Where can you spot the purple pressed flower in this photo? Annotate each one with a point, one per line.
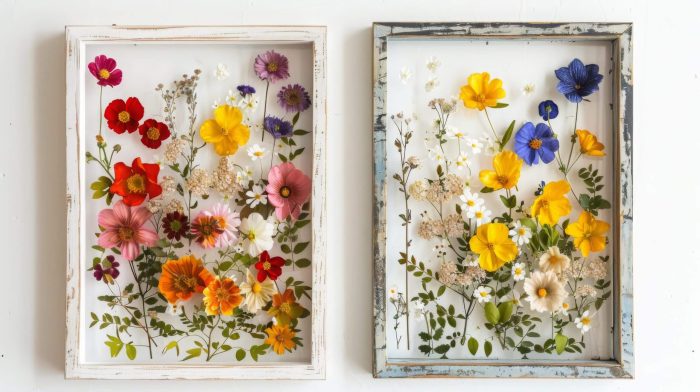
(271, 66)
(104, 69)
(245, 90)
(277, 127)
(577, 80)
(294, 98)
(101, 273)
(533, 143)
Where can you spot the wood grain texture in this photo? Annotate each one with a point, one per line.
(77, 37)
(620, 37)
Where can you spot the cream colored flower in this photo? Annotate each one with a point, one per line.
(553, 260)
(198, 182)
(405, 75)
(221, 71)
(564, 310)
(544, 291)
(257, 294)
(518, 271)
(433, 64)
(584, 322)
(483, 294)
(257, 233)
(431, 84)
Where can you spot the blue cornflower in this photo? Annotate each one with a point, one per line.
(548, 110)
(245, 90)
(277, 127)
(535, 142)
(577, 80)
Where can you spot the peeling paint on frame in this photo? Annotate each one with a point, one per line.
(622, 366)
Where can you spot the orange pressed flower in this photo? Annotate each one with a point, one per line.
(280, 337)
(285, 307)
(183, 277)
(589, 143)
(222, 296)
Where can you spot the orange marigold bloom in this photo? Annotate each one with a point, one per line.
(589, 143)
(285, 307)
(222, 296)
(280, 337)
(183, 277)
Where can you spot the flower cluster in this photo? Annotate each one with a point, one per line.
(509, 253)
(207, 249)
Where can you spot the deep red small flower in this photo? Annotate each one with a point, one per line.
(175, 225)
(101, 273)
(104, 69)
(153, 133)
(124, 116)
(269, 267)
(136, 182)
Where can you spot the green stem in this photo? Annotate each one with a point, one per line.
(486, 111)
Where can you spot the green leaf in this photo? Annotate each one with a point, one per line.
(296, 118)
(193, 353)
(240, 354)
(500, 105)
(492, 313)
(301, 132)
(560, 341)
(488, 347)
(298, 248)
(508, 134)
(172, 345)
(473, 345)
(115, 345)
(506, 311)
(486, 190)
(302, 263)
(130, 351)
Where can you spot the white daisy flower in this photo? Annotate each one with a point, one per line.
(480, 213)
(490, 146)
(520, 234)
(431, 84)
(394, 293)
(528, 89)
(221, 71)
(257, 232)
(475, 145)
(564, 310)
(455, 133)
(518, 272)
(418, 310)
(256, 196)
(515, 297)
(249, 103)
(544, 291)
(405, 75)
(232, 97)
(256, 152)
(433, 64)
(216, 104)
(471, 200)
(584, 322)
(472, 261)
(482, 294)
(462, 161)
(436, 154)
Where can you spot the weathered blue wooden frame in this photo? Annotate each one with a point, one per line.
(620, 37)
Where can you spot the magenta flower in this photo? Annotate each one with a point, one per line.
(271, 66)
(123, 228)
(103, 68)
(288, 189)
(294, 98)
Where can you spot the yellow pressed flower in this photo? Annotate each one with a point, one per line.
(552, 204)
(493, 245)
(588, 233)
(280, 338)
(481, 92)
(226, 130)
(589, 143)
(505, 173)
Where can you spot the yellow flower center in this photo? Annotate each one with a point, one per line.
(124, 116)
(126, 233)
(224, 131)
(470, 203)
(481, 98)
(267, 266)
(280, 338)
(251, 236)
(585, 321)
(544, 204)
(483, 293)
(258, 153)
(565, 306)
(503, 180)
(490, 246)
(518, 271)
(136, 184)
(104, 74)
(542, 292)
(285, 191)
(535, 144)
(556, 260)
(153, 133)
(272, 67)
(521, 231)
(256, 288)
(285, 308)
(222, 295)
(184, 283)
(479, 215)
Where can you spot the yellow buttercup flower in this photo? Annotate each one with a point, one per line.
(552, 204)
(589, 143)
(588, 233)
(493, 245)
(226, 130)
(505, 173)
(481, 92)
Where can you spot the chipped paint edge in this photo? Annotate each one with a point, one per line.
(620, 35)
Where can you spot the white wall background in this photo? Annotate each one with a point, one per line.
(32, 177)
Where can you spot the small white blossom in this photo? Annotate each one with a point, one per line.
(462, 161)
(518, 272)
(232, 97)
(564, 310)
(436, 154)
(431, 84)
(433, 64)
(483, 294)
(221, 71)
(475, 145)
(520, 234)
(405, 75)
(528, 89)
(480, 213)
(471, 200)
(419, 310)
(455, 133)
(249, 103)
(256, 152)
(393, 293)
(215, 104)
(584, 322)
(256, 196)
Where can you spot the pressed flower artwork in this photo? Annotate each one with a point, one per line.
(198, 216)
(498, 201)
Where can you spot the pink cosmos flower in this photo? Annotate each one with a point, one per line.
(287, 190)
(103, 68)
(228, 221)
(271, 66)
(123, 228)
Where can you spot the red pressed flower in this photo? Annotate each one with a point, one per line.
(175, 225)
(269, 267)
(136, 182)
(124, 116)
(153, 133)
(104, 69)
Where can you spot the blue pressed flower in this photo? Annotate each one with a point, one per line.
(245, 90)
(548, 110)
(277, 127)
(533, 143)
(577, 80)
